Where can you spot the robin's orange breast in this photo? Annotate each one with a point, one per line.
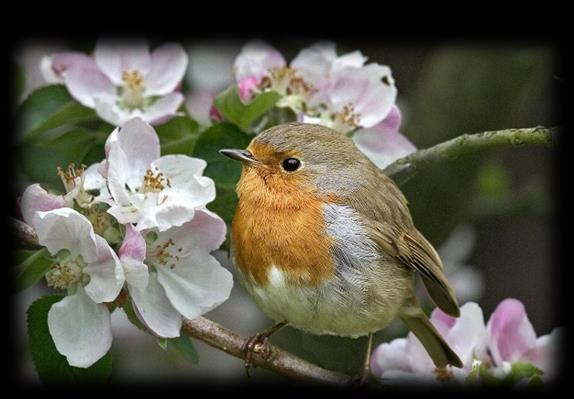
(278, 224)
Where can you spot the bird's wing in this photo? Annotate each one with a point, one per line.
(388, 222)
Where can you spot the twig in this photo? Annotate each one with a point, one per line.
(25, 234)
(279, 361)
(405, 168)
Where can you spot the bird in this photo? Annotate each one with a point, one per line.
(324, 242)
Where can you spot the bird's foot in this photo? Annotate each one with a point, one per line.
(360, 380)
(258, 345)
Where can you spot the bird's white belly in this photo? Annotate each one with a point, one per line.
(327, 309)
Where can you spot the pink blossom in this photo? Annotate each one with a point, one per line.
(507, 338)
(123, 80)
(341, 92)
(383, 143)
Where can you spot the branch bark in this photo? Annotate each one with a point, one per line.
(279, 361)
(402, 170)
(405, 168)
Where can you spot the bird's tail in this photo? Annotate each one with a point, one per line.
(439, 351)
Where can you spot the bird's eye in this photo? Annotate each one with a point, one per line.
(291, 164)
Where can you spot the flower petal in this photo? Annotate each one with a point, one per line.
(196, 285)
(364, 90)
(198, 105)
(48, 73)
(130, 153)
(93, 180)
(205, 233)
(176, 203)
(246, 87)
(54, 66)
(314, 63)
(155, 310)
(510, 333)
(133, 246)
(356, 59)
(35, 199)
(383, 144)
(544, 354)
(390, 356)
(61, 62)
(86, 82)
(106, 274)
(186, 180)
(137, 273)
(132, 254)
(65, 228)
(163, 108)
(108, 109)
(80, 329)
(468, 336)
(168, 66)
(115, 58)
(255, 60)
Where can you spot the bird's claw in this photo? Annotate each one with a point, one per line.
(258, 345)
(360, 380)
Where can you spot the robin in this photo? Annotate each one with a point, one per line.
(324, 241)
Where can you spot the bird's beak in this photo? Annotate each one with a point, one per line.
(239, 155)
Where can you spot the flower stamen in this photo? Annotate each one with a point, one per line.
(155, 183)
(163, 256)
(132, 95)
(65, 273)
(73, 179)
(70, 175)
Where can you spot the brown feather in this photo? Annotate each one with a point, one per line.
(390, 225)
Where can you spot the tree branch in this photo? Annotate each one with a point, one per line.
(279, 361)
(405, 168)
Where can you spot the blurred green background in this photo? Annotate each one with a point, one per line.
(505, 197)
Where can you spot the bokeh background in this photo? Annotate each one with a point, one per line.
(490, 214)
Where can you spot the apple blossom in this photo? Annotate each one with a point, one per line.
(506, 340)
(148, 190)
(81, 185)
(336, 91)
(91, 273)
(383, 143)
(513, 339)
(172, 275)
(406, 357)
(123, 80)
(200, 107)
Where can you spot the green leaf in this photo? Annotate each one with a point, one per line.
(49, 107)
(522, 370)
(224, 171)
(224, 204)
(39, 160)
(52, 367)
(32, 265)
(185, 346)
(178, 135)
(232, 108)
